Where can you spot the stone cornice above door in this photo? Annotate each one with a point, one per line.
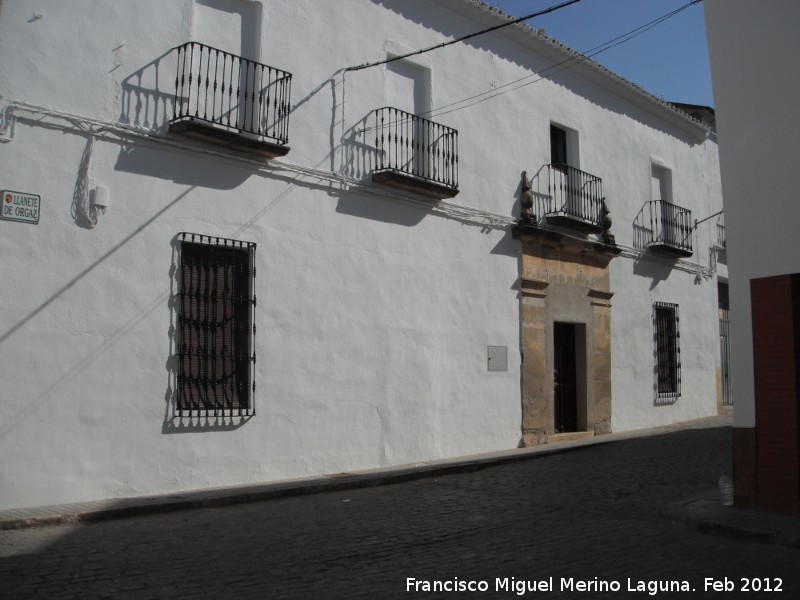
(550, 244)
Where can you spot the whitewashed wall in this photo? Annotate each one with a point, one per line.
(374, 312)
(758, 152)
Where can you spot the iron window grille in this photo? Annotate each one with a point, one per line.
(667, 351)
(725, 355)
(216, 326)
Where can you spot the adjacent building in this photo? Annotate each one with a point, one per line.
(752, 47)
(247, 241)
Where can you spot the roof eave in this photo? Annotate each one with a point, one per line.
(597, 73)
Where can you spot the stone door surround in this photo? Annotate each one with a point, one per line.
(564, 279)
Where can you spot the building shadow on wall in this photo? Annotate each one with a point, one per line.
(89, 361)
(360, 159)
(180, 167)
(149, 97)
(148, 102)
(149, 93)
(507, 246)
(366, 206)
(657, 269)
(360, 149)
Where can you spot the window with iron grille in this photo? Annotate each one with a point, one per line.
(667, 350)
(215, 306)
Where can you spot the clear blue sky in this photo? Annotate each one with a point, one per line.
(670, 60)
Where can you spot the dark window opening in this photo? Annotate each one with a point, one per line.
(558, 146)
(668, 363)
(215, 304)
(723, 296)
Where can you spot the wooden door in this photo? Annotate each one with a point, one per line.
(565, 377)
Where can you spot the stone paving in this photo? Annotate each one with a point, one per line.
(592, 516)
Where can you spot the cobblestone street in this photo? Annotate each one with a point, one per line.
(590, 514)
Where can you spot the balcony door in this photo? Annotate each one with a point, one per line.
(661, 185)
(234, 27)
(230, 25)
(408, 90)
(558, 146)
(566, 183)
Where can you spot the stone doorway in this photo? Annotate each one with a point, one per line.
(565, 314)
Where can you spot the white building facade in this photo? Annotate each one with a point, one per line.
(225, 262)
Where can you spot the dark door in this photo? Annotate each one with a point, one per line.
(558, 146)
(566, 185)
(566, 378)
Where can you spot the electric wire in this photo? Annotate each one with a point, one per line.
(492, 220)
(466, 37)
(546, 73)
(484, 218)
(554, 69)
(100, 129)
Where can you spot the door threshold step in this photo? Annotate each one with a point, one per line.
(570, 436)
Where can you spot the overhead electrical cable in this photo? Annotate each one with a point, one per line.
(545, 73)
(466, 37)
(557, 67)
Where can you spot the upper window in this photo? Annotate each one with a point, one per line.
(412, 152)
(215, 306)
(231, 26)
(408, 87)
(660, 183)
(558, 145)
(564, 147)
(667, 350)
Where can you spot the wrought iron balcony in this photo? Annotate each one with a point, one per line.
(670, 226)
(576, 198)
(415, 154)
(225, 99)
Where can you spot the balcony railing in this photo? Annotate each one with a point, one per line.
(671, 227)
(576, 197)
(424, 154)
(232, 93)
